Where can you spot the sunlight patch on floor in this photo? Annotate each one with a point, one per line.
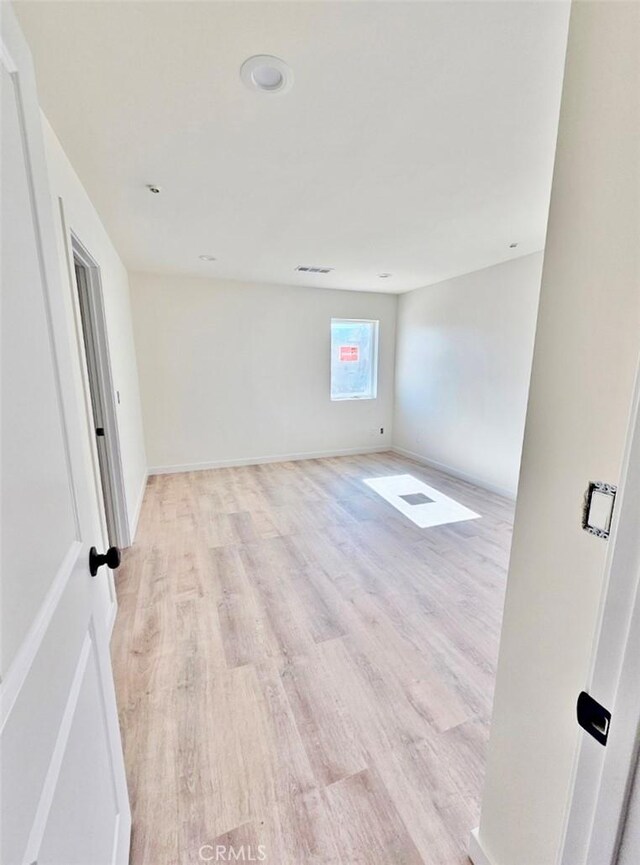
(422, 504)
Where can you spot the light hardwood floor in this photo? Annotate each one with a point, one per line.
(298, 666)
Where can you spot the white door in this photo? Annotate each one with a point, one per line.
(64, 798)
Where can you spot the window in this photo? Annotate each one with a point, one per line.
(354, 359)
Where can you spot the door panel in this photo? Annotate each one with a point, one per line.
(91, 797)
(64, 797)
(33, 715)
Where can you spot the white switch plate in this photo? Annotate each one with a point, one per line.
(598, 508)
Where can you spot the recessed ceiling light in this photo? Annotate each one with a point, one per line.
(266, 74)
(208, 257)
(267, 77)
(384, 275)
(512, 245)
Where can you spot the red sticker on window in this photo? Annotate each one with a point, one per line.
(349, 353)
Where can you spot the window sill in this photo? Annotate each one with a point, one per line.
(351, 398)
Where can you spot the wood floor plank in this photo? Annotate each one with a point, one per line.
(419, 784)
(370, 829)
(304, 830)
(246, 632)
(299, 666)
(327, 730)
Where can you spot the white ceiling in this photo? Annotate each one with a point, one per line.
(418, 138)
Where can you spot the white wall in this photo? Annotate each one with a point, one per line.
(463, 361)
(585, 359)
(72, 205)
(234, 372)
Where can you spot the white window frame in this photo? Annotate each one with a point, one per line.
(373, 394)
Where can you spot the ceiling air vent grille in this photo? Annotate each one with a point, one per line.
(307, 268)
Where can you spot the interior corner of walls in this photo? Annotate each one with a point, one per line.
(135, 516)
(456, 473)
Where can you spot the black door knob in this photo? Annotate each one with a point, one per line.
(111, 559)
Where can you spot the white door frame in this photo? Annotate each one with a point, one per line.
(602, 775)
(110, 442)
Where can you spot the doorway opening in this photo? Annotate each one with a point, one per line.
(103, 396)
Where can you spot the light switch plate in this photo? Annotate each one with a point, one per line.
(597, 511)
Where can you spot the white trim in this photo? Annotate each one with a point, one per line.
(477, 853)
(79, 347)
(456, 473)
(16, 676)
(135, 519)
(76, 251)
(254, 461)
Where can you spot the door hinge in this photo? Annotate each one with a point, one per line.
(593, 717)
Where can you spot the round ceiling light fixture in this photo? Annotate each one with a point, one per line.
(266, 74)
(207, 258)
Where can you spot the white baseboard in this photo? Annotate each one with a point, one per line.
(456, 473)
(254, 461)
(133, 528)
(314, 455)
(476, 851)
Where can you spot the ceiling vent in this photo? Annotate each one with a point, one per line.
(307, 268)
